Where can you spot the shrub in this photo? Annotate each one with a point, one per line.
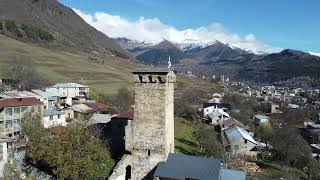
(36, 33)
(1, 24)
(11, 26)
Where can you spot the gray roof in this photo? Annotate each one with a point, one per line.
(180, 166)
(48, 93)
(315, 126)
(69, 85)
(236, 134)
(229, 174)
(261, 117)
(52, 112)
(152, 70)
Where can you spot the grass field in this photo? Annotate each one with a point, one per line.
(184, 140)
(106, 74)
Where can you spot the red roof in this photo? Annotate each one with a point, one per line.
(15, 102)
(125, 115)
(98, 106)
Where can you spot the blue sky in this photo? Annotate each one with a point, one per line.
(277, 23)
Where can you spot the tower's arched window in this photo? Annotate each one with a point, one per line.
(148, 152)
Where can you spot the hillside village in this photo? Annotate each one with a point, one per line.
(64, 104)
(78, 104)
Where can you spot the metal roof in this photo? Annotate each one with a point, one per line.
(261, 117)
(16, 102)
(180, 166)
(229, 174)
(52, 112)
(69, 85)
(48, 93)
(236, 133)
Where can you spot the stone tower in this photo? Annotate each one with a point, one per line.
(150, 138)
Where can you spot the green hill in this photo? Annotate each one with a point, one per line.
(105, 73)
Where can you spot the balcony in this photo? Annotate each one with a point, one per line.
(14, 127)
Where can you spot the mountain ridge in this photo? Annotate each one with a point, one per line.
(67, 27)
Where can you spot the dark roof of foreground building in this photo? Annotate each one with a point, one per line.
(229, 174)
(180, 166)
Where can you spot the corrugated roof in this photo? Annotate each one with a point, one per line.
(229, 174)
(69, 85)
(229, 122)
(261, 117)
(235, 134)
(82, 108)
(180, 166)
(125, 115)
(52, 112)
(16, 102)
(98, 106)
(48, 93)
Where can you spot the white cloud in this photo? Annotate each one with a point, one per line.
(314, 53)
(153, 30)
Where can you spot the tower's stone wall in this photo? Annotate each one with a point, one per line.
(152, 130)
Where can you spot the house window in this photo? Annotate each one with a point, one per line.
(59, 116)
(51, 117)
(8, 123)
(17, 110)
(23, 109)
(245, 141)
(8, 111)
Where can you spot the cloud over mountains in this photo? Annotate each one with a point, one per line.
(153, 31)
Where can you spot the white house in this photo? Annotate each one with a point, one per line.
(52, 118)
(217, 117)
(215, 107)
(72, 91)
(6, 145)
(51, 98)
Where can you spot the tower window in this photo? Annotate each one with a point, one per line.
(148, 152)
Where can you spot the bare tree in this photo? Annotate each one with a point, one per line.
(124, 100)
(23, 74)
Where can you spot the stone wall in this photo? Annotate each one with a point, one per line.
(150, 138)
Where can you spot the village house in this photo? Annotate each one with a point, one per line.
(12, 111)
(216, 118)
(230, 123)
(214, 107)
(311, 133)
(73, 91)
(52, 118)
(6, 150)
(238, 141)
(261, 119)
(51, 98)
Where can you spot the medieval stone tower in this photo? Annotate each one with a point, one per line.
(150, 137)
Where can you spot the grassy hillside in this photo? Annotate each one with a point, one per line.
(106, 74)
